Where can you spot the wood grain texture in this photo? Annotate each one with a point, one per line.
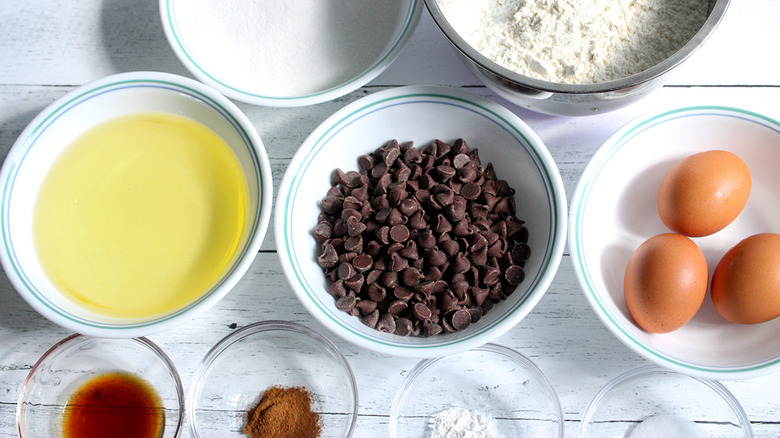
(47, 48)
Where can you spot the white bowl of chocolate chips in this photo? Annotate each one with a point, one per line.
(421, 221)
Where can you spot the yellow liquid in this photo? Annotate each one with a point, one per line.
(140, 215)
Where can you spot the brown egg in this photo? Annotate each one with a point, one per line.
(746, 283)
(665, 282)
(703, 193)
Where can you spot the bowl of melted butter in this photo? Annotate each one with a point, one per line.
(133, 203)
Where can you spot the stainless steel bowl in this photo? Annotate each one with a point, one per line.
(573, 99)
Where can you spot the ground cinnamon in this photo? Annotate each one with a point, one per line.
(283, 412)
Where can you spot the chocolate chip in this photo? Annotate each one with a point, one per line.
(396, 307)
(410, 250)
(403, 327)
(521, 252)
(421, 311)
(329, 256)
(337, 289)
(354, 244)
(460, 319)
(354, 282)
(354, 226)
(390, 279)
(323, 231)
(362, 262)
(460, 160)
(338, 177)
(371, 319)
(431, 329)
(376, 292)
(471, 191)
(436, 257)
(346, 303)
(397, 262)
(408, 206)
(403, 293)
(399, 233)
(366, 307)
(365, 162)
(386, 323)
(514, 275)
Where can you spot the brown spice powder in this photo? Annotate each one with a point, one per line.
(283, 413)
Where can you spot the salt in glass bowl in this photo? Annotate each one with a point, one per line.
(652, 391)
(493, 380)
(76, 359)
(233, 375)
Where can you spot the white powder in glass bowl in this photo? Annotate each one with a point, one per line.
(576, 41)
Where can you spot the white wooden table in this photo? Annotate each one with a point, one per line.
(48, 47)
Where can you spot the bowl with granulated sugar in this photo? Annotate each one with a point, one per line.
(567, 58)
(281, 53)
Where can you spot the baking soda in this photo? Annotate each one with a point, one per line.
(283, 47)
(461, 423)
(576, 41)
(667, 426)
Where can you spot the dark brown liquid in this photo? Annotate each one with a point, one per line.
(116, 405)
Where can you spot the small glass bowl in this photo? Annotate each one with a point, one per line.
(493, 380)
(74, 360)
(233, 375)
(651, 391)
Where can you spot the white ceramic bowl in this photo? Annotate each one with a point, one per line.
(233, 375)
(421, 114)
(73, 361)
(653, 395)
(328, 50)
(56, 126)
(492, 380)
(614, 210)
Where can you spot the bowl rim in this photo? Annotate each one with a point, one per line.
(119, 82)
(576, 232)
(647, 370)
(395, 96)
(201, 372)
(714, 17)
(488, 349)
(389, 54)
(75, 339)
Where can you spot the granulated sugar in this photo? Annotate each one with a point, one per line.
(576, 41)
(461, 423)
(284, 47)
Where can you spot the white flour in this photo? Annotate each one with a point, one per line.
(284, 47)
(576, 41)
(667, 426)
(461, 423)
